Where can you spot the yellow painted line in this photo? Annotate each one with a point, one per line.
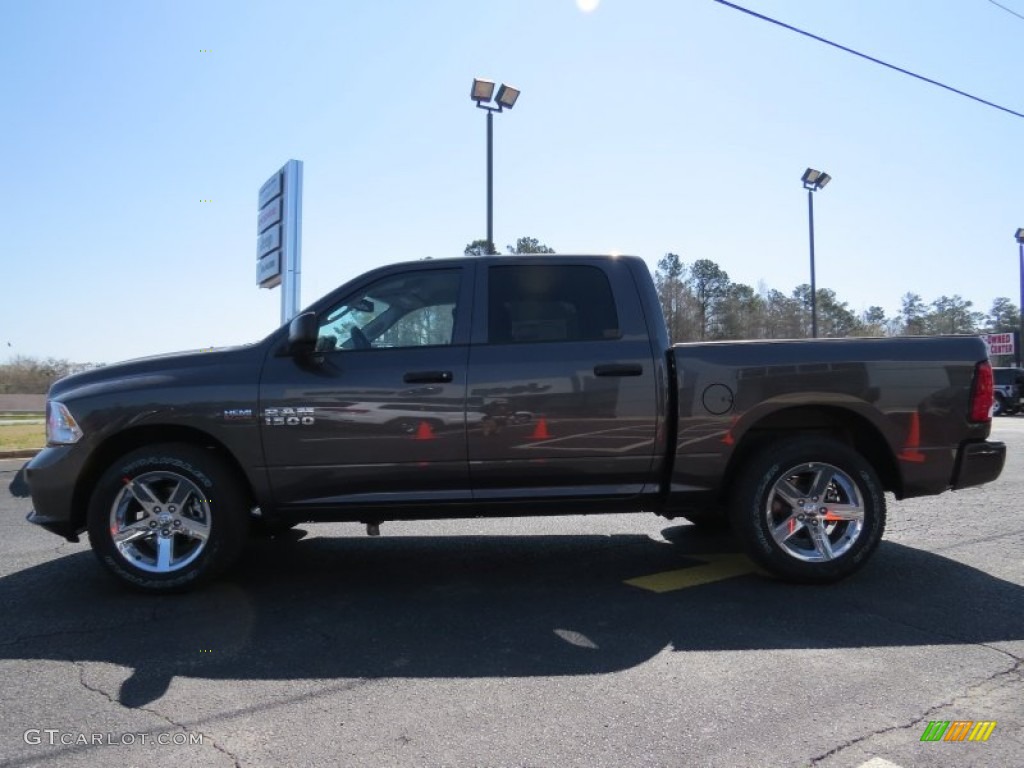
(715, 568)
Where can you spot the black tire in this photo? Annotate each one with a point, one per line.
(181, 513)
(776, 510)
(999, 407)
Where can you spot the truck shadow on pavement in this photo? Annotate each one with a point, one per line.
(475, 606)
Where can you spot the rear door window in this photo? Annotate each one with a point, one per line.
(550, 303)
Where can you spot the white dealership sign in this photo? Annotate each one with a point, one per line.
(279, 236)
(998, 343)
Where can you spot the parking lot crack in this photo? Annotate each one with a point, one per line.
(69, 633)
(349, 685)
(184, 727)
(80, 666)
(945, 635)
(1012, 675)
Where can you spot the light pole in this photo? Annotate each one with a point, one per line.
(482, 92)
(813, 181)
(1020, 337)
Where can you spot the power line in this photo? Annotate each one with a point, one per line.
(1008, 10)
(799, 31)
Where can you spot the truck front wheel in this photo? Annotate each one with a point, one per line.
(167, 518)
(809, 509)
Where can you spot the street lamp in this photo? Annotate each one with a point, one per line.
(1020, 338)
(813, 181)
(482, 93)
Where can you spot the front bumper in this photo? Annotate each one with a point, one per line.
(52, 477)
(978, 463)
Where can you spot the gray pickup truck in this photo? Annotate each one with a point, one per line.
(504, 386)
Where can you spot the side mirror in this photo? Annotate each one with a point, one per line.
(302, 333)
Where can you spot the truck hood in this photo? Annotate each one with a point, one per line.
(156, 370)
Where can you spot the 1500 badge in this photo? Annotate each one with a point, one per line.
(288, 417)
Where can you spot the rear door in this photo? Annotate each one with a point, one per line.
(561, 389)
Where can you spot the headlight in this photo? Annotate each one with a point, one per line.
(61, 427)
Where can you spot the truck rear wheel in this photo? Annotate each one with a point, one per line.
(167, 518)
(809, 509)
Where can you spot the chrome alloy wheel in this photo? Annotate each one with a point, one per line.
(815, 512)
(160, 521)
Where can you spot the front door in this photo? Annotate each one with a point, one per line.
(378, 416)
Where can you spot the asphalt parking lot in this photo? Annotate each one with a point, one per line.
(576, 641)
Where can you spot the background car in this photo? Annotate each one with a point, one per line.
(1009, 390)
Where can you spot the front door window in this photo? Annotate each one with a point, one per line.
(413, 309)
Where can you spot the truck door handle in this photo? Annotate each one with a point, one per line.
(427, 377)
(619, 369)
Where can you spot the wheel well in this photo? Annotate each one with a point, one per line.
(130, 439)
(823, 421)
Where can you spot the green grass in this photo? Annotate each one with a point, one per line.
(22, 436)
(20, 416)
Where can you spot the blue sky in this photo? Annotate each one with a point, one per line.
(644, 126)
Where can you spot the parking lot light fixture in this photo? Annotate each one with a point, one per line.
(483, 90)
(507, 96)
(813, 181)
(482, 93)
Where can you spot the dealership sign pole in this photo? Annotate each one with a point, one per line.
(279, 236)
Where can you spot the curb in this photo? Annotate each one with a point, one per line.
(22, 454)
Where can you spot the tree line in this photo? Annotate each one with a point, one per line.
(22, 375)
(700, 303)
